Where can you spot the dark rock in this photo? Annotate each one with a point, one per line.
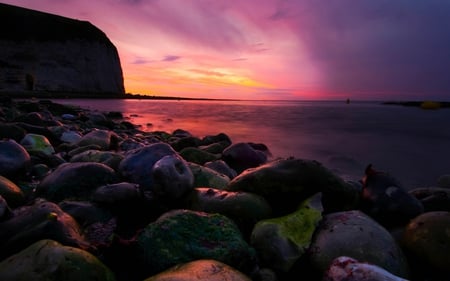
(104, 138)
(117, 194)
(182, 236)
(75, 180)
(11, 131)
(215, 148)
(184, 142)
(108, 158)
(14, 159)
(5, 211)
(11, 192)
(221, 167)
(39, 171)
(433, 198)
(206, 177)
(180, 133)
(241, 156)
(385, 199)
(198, 156)
(207, 140)
(82, 149)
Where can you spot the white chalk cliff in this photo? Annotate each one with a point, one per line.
(49, 53)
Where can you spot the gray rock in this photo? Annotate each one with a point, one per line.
(221, 167)
(37, 144)
(206, 177)
(75, 180)
(356, 235)
(14, 159)
(241, 156)
(172, 177)
(70, 137)
(138, 164)
(103, 138)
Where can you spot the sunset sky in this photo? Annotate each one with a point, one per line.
(274, 49)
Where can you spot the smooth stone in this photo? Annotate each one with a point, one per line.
(37, 143)
(180, 133)
(48, 260)
(281, 242)
(104, 138)
(349, 269)
(172, 177)
(444, 181)
(182, 236)
(5, 211)
(75, 180)
(108, 158)
(117, 194)
(206, 177)
(356, 235)
(200, 270)
(42, 220)
(81, 149)
(285, 183)
(222, 167)
(14, 158)
(85, 212)
(433, 198)
(39, 171)
(242, 156)
(219, 138)
(130, 144)
(70, 137)
(183, 142)
(386, 200)
(239, 206)
(427, 239)
(69, 117)
(137, 165)
(198, 156)
(11, 192)
(33, 118)
(215, 148)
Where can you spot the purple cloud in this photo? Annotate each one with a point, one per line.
(171, 58)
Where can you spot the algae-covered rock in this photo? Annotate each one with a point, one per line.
(198, 156)
(42, 220)
(11, 192)
(206, 177)
(285, 183)
(200, 270)
(280, 242)
(356, 235)
(48, 260)
(182, 236)
(427, 239)
(34, 143)
(75, 180)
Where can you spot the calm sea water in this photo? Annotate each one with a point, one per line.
(410, 143)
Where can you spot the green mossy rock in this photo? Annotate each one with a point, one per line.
(11, 192)
(200, 270)
(206, 177)
(48, 260)
(182, 236)
(281, 241)
(34, 143)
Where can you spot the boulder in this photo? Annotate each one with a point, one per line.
(11, 131)
(281, 242)
(11, 192)
(5, 211)
(182, 236)
(70, 137)
(37, 144)
(75, 180)
(117, 194)
(198, 156)
(14, 159)
(241, 156)
(356, 235)
(48, 260)
(200, 270)
(221, 167)
(109, 158)
(433, 198)
(206, 177)
(104, 138)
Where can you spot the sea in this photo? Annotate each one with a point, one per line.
(410, 143)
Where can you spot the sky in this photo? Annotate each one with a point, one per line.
(274, 49)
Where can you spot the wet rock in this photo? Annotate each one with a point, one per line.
(48, 260)
(385, 199)
(110, 159)
(85, 212)
(281, 242)
(206, 177)
(200, 270)
(11, 131)
(215, 148)
(433, 198)
(172, 177)
(117, 194)
(137, 165)
(11, 192)
(37, 144)
(285, 183)
(219, 138)
(75, 180)
(104, 138)
(427, 240)
(14, 159)
(356, 235)
(42, 220)
(242, 207)
(180, 133)
(99, 119)
(348, 269)
(70, 137)
(182, 236)
(198, 156)
(33, 118)
(241, 156)
(184, 142)
(221, 167)
(130, 144)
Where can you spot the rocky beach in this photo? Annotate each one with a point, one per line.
(86, 195)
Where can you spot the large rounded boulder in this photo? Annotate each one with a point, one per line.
(14, 158)
(75, 181)
(182, 236)
(48, 260)
(241, 156)
(356, 235)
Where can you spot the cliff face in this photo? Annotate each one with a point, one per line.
(44, 52)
